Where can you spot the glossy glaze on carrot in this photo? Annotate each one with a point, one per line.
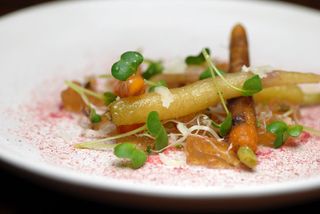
(244, 131)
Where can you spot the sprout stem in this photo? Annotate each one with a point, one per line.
(150, 83)
(312, 131)
(135, 131)
(216, 70)
(81, 90)
(105, 76)
(213, 68)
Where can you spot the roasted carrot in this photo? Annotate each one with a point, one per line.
(132, 87)
(244, 131)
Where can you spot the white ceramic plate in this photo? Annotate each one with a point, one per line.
(45, 45)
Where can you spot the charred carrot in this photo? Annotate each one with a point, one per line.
(244, 131)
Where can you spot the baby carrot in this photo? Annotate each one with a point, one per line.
(243, 132)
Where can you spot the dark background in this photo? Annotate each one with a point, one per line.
(18, 195)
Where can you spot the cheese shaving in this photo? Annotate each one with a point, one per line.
(166, 95)
(262, 71)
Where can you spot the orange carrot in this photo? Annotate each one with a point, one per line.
(244, 131)
(132, 87)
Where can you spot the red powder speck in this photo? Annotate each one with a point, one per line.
(179, 170)
(282, 149)
(168, 150)
(154, 159)
(264, 153)
(59, 115)
(304, 137)
(301, 140)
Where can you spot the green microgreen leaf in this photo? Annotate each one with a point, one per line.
(295, 131)
(282, 131)
(132, 58)
(225, 126)
(153, 69)
(138, 159)
(207, 74)
(251, 86)
(127, 65)
(94, 117)
(197, 60)
(153, 123)
(161, 139)
(124, 150)
(157, 84)
(277, 127)
(157, 130)
(279, 141)
(132, 152)
(109, 97)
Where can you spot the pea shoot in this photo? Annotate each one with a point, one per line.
(251, 86)
(156, 129)
(197, 60)
(153, 69)
(130, 151)
(127, 65)
(282, 131)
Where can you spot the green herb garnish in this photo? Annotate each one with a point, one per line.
(109, 97)
(127, 65)
(207, 74)
(197, 60)
(153, 69)
(281, 130)
(94, 117)
(250, 86)
(225, 126)
(157, 130)
(130, 151)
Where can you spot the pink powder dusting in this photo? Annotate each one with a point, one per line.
(46, 126)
